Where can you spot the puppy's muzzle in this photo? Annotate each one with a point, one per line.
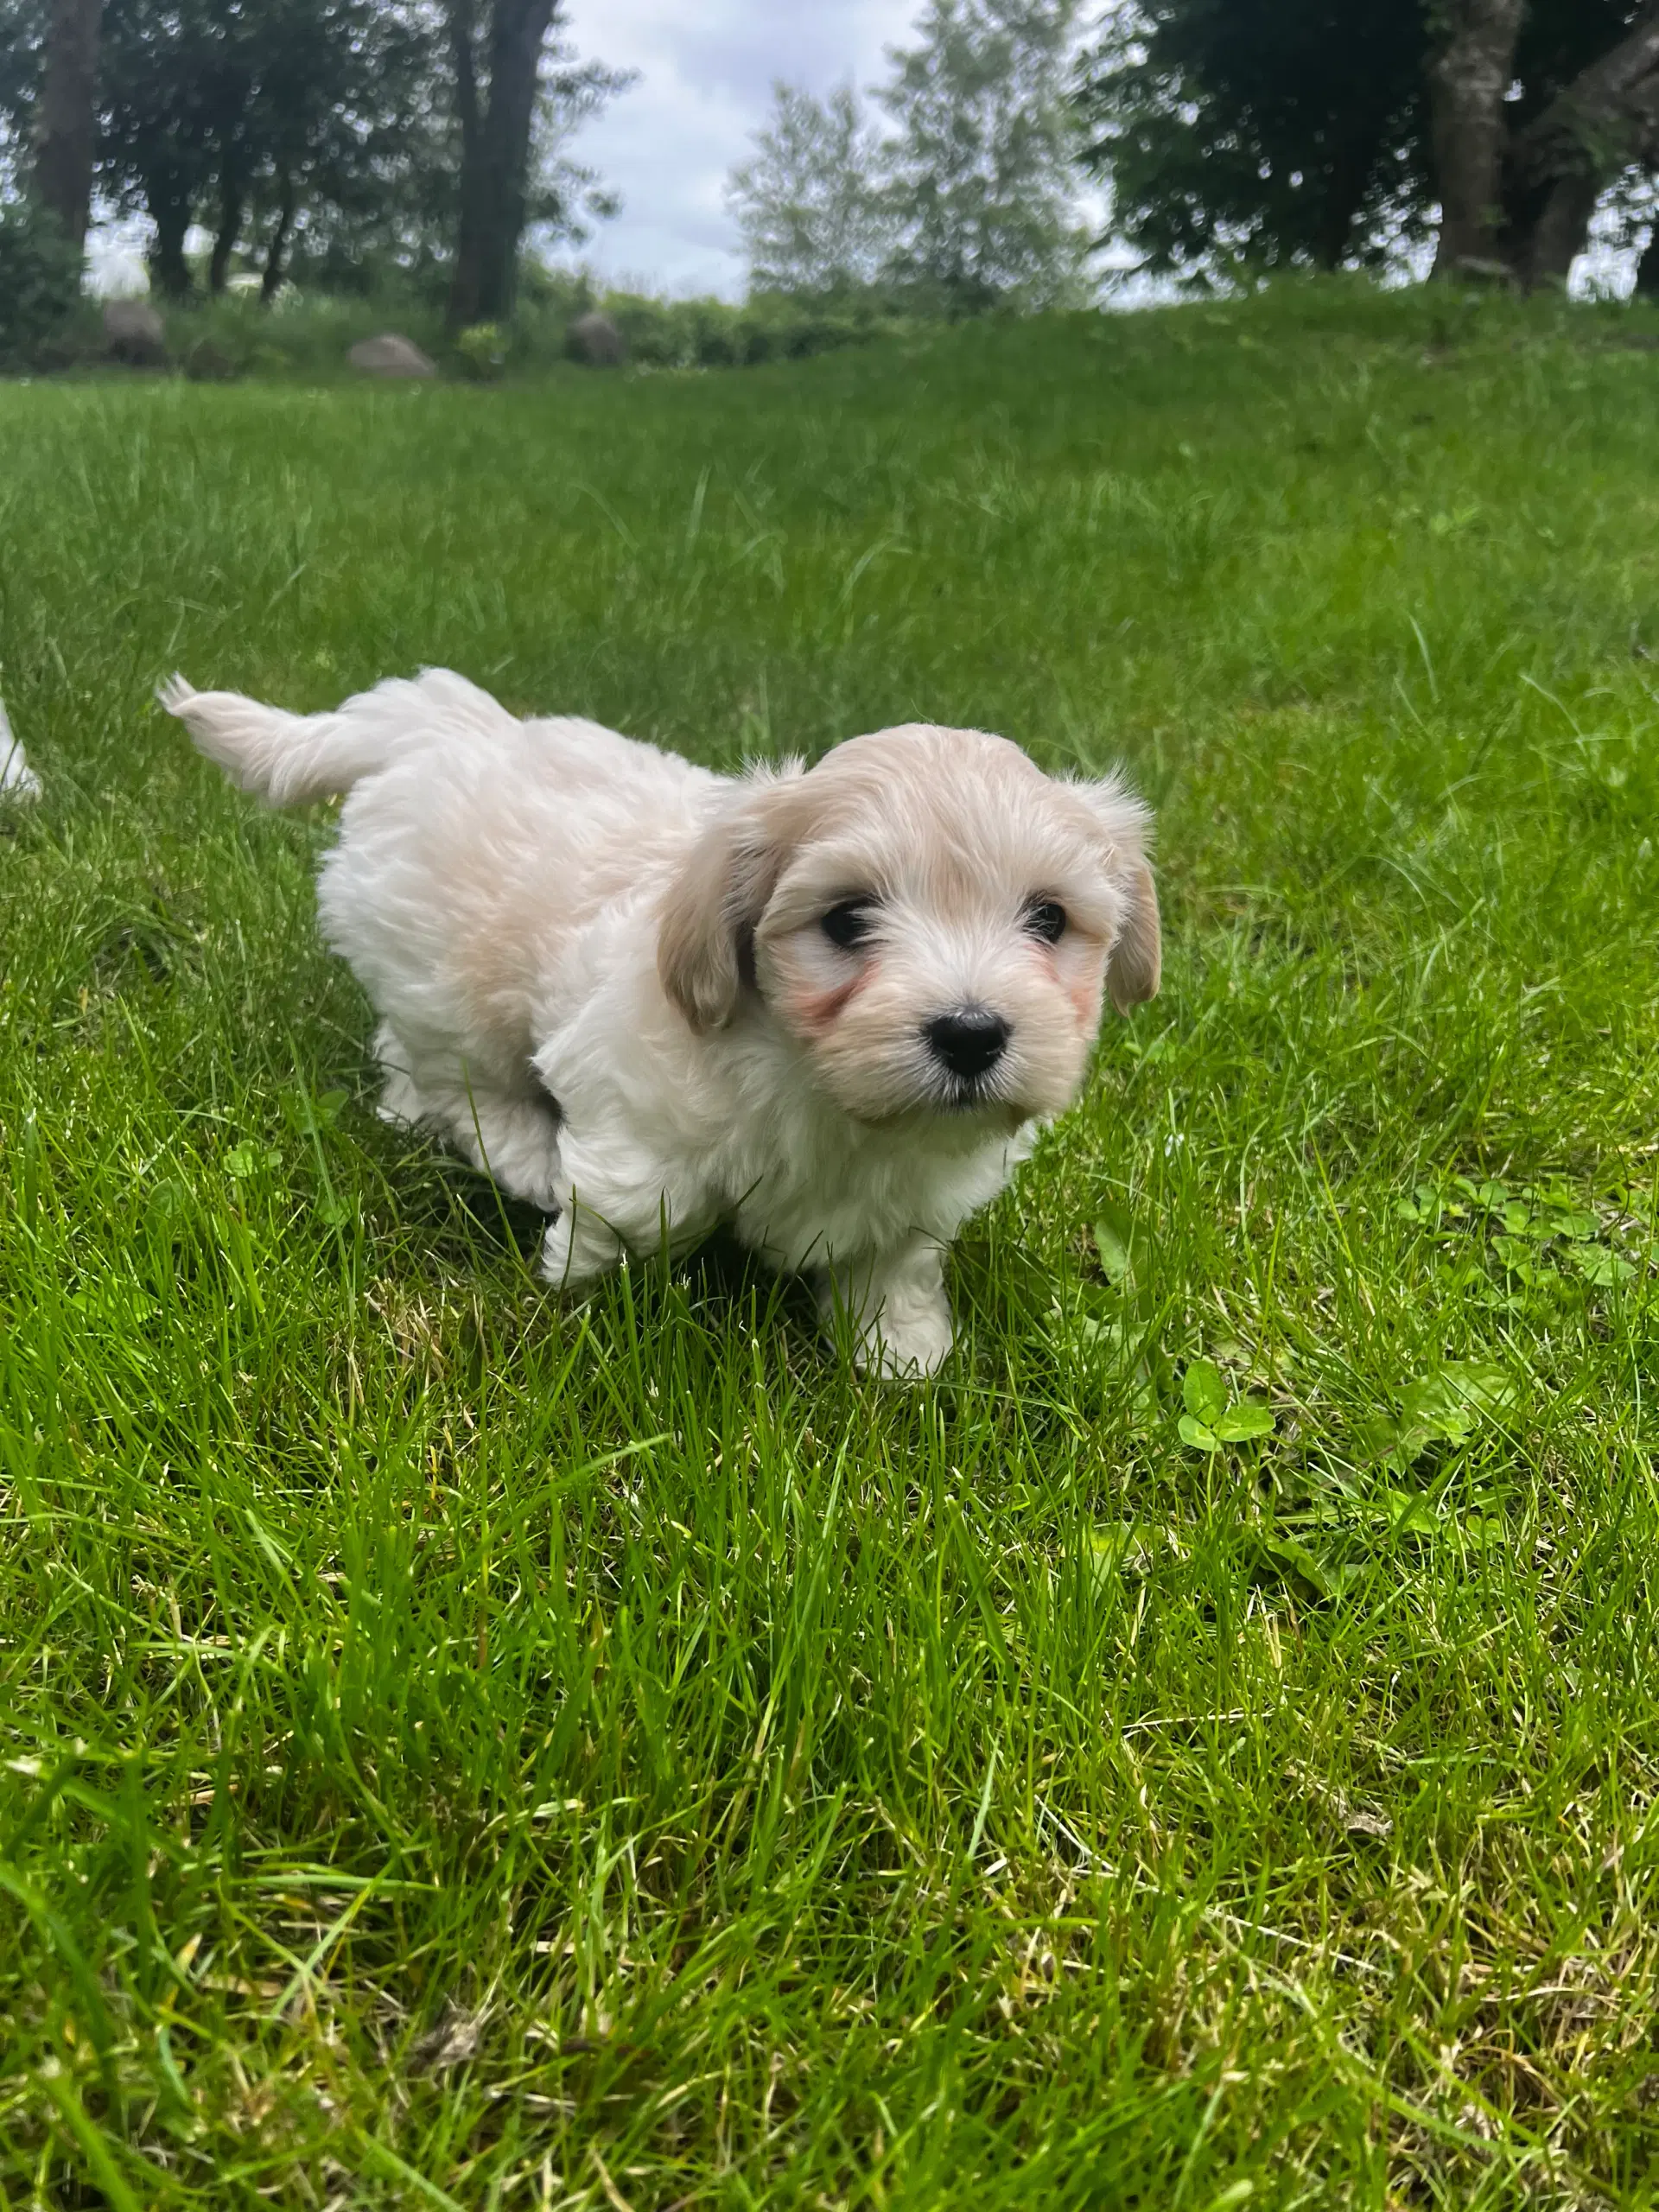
(969, 1042)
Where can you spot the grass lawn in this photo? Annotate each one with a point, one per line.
(456, 1751)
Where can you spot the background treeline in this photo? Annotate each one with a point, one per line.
(1234, 136)
(333, 142)
(1242, 135)
(420, 149)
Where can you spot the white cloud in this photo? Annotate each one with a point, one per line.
(669, 143)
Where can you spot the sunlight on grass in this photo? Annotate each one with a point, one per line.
(458, 1750)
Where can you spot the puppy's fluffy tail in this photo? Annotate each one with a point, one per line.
(290, 760)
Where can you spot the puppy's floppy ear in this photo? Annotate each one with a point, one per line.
(705, 937)
(1132, 971)
(1136, 962)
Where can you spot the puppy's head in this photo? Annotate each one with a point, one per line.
(928, 915)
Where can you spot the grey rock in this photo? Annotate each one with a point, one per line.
(207, 363)
(595, 339)
(134, 333)
(391, 354)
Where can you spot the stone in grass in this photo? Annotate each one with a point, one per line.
(391, 354)
(595, 340)
(207, 363)
(18, 779)
(135, 334)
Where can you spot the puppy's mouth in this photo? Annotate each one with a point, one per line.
(965, 1101)
(970, 1109)
(970, 1095)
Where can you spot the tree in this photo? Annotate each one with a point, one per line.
(1589, 131)
(40, 280)
(1266, 131)
(809, 206)
(1468, 76)
(496, 77)
(967, 200)
(337, 135)
(1520, 176)
(980, 170)
(166, 98)
(201, 103)
(1258, 134)
(500, 94)
(24, 25)
(65, 129)
(385, 197)
(340, 128)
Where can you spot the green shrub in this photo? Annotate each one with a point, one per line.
(40, 284)
(714, 334)
(305, 334)
(483, 351)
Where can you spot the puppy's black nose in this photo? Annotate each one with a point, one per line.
(969, 1041)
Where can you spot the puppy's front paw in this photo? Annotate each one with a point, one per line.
(907, 1348)
(577, 1250)
(900, 1315)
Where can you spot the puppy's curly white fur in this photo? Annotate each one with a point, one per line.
(828, 1006)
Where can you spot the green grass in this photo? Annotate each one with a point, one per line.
(462, 1751)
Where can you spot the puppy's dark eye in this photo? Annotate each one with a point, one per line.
(1045, 918)
(849, 923)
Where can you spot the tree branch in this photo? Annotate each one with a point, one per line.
(1599, 122)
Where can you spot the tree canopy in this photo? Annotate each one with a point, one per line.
(1260, 132)
(336, 136)
(1255, 134)
(968, 196)
(981, 168)
(809, 206)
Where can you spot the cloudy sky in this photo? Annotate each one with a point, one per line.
(705, 85)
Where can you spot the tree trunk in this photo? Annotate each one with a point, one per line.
(167, 197)
(1344, 196)
(65, 125)
(1603, 119)
(1467, 79)
(1558, 235)
(276, 254)
(1556, 169)
(230, 207)
(469, 213)
(495, 153)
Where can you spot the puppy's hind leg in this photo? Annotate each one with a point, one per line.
(515, 1141)
(402, 1099)
(579, 1248)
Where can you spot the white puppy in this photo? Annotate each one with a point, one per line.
(18, 779)
(827, 1005)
